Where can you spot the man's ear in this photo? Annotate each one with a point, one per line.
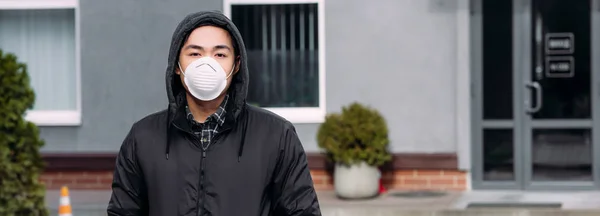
(177, 70)
(237, 64)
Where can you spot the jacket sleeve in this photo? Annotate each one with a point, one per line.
(128, 187)
(294, 193)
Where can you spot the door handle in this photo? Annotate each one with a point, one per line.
(535, 86)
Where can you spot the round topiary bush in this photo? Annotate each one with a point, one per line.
(21, 192)
(358, 134)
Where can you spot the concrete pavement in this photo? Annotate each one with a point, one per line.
(93, 203)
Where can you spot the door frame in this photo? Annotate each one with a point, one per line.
(522, 123)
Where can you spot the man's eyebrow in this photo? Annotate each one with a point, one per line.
(198, 47)
(217, 47)
(194, 46)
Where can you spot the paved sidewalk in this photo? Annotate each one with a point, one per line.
(93, 203)
(83, 203)
(86, 199)
(328, 200)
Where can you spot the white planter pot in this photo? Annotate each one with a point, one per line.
(357, 181)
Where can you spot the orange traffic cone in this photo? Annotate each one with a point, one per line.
(64, 208)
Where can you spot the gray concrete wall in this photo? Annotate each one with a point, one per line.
(397, 56)
(124, 48)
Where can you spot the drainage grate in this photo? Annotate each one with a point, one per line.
(515, 205)
(418, 194)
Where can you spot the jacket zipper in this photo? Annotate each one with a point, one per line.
(201, 186)
(201, 181)
(204, 153)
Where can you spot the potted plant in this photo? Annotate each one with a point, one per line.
(21, 164)
(356, 140)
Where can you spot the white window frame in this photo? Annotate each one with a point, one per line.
(55, 117)
(297, 114)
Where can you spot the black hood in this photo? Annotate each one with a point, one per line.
(239, 86)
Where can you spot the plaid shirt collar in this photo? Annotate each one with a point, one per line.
(212, 122)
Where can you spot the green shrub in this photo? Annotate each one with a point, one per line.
(21, 164)
(358, 134)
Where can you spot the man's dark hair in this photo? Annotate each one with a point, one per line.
(233, 41)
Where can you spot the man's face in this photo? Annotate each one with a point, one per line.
(208, 41)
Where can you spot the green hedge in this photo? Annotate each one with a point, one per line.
(21, 164)
(358, 134)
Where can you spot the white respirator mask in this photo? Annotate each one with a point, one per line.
(205, 78)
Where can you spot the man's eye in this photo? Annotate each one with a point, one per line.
(195, 54)
(220, 55)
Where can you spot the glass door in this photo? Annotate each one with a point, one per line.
(497, 131)
(557, 94)
(535, 88)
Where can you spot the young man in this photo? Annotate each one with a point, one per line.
(210, 153)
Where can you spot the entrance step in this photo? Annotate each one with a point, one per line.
(379, 211)
(471, 203)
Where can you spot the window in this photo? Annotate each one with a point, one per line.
(285, 45)
(44, 35)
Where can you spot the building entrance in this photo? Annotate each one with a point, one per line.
(535, 92)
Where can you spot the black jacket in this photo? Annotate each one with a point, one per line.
(255, 165)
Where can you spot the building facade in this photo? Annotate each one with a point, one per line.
(477, 94)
